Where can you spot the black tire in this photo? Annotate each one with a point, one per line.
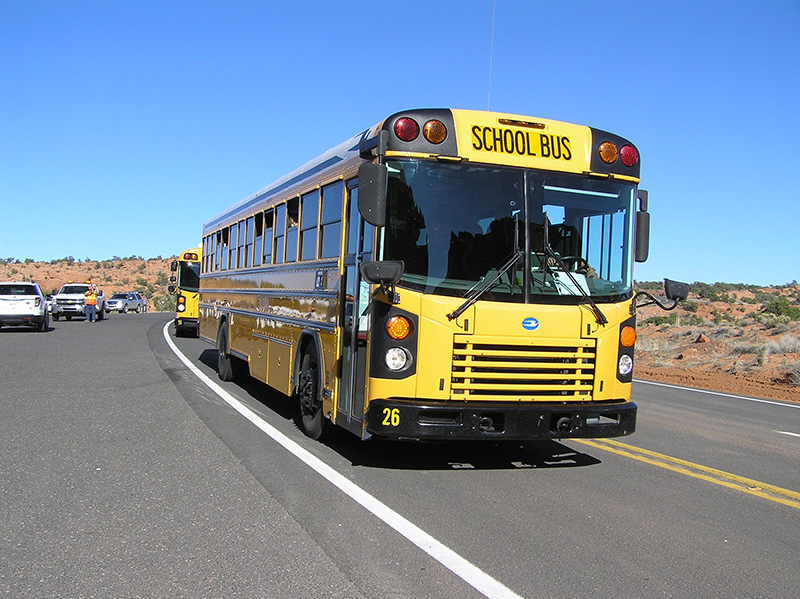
(69, 317)
(315, 425)
(100, 314)
(124, 309)
(224, 359)
(138, 309)
(44, 325)
(56, 317)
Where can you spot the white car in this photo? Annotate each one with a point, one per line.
(22, 304)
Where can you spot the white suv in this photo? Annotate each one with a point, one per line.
(23, 304)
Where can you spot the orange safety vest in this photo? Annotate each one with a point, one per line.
(91, 298)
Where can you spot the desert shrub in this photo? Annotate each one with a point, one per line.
(770, 322)
(661, 320)
(163, 303)
(793, 374)
(787, 344)
(689, 306)
(746, 347)
(781, 307)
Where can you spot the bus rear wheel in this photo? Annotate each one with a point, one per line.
(224, 360)
(315, 425)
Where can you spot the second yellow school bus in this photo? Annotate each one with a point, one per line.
(445, 274)
(187, 291)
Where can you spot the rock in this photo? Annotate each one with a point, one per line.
(688, 354)
(702, 339)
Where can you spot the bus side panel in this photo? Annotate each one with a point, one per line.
(258, 357)
(279, 365)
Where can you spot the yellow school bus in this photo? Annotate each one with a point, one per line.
(445, 274)
(186, 287)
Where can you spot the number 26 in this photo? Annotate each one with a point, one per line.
(391, 417)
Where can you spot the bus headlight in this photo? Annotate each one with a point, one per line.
(397, 358)
(625, 364)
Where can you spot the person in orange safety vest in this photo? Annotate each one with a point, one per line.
(91, 303)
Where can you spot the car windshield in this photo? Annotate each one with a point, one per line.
(10, 289)
(455, 226)
(66, 289)
(119, 296)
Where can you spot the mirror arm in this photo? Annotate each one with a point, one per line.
(388, 291)
(652, 301)
(379, 143)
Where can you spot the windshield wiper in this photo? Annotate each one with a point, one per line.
(477, 290)
(548, 251)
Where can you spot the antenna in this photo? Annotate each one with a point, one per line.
(491, 54)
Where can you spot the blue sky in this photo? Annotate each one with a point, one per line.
(126, 125)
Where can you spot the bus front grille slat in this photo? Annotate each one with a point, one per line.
(485, 370)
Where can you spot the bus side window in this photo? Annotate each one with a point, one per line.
(352, 228)
(331, 224)
(308, 227)
(280, 233)
(248, 241)
(353, 231)
(259, 237)
(292, 214)
(241, 262)
(223, 249)
(268, 228)
(233, 239)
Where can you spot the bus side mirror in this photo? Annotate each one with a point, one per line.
(642, 249)
(385, 273)
(675, 290)
(372, 182)
(174, 266)
(171, 288)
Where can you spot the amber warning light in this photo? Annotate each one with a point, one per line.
(189, 256)
(407, 129)
(609, 153)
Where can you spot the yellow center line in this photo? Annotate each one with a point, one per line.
(712, 475)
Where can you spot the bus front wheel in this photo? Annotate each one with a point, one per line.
(224, 360)
(315, 425)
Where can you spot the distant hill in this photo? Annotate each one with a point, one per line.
(150, 277)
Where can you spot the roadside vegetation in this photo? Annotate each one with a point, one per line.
(148, 276)
(728, 329)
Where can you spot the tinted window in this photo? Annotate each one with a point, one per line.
(331, 229)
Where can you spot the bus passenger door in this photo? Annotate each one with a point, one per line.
(354, 318)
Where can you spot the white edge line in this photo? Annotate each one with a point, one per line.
(745, 398)
(461, 567)
(788, 433)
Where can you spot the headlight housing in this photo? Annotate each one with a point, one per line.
(397, 359)
(625, 366)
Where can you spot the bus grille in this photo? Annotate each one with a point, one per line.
(555, 371)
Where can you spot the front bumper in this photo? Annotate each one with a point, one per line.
(69, 309)
(497, 421)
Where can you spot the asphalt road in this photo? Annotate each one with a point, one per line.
(123, 474)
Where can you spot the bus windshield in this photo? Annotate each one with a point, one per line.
(189, 276)
(459, 226)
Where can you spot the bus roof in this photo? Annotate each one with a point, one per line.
(482, 137)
